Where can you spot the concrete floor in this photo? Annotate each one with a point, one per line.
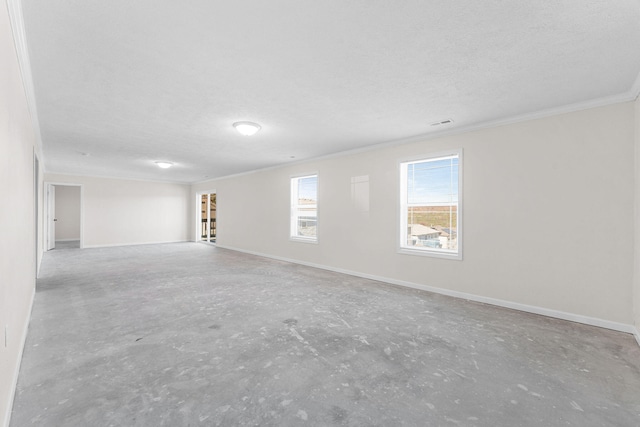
(67, 244)
(189, 334)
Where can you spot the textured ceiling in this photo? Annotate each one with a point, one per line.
(132, 82)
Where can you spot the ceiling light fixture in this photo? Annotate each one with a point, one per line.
(164, 165)
(246, 128)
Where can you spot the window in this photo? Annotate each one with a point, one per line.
(304, 208)
(430, 213)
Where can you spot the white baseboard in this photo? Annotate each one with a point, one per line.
(592, 321)
(14, 384)
(113, 245)
(68, 240)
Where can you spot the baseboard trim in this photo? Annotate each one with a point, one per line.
(636, 333)
(132, 244)
(592, 321)
(68, 240)
(14, 385)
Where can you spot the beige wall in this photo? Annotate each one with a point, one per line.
(67, 212)
(18, 257)
(548, 214)
(126, 212)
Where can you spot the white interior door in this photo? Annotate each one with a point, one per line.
(51, 217)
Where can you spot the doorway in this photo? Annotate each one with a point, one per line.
(207, 224)
(64, 216)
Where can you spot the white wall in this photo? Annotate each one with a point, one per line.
(67, 212)
(126, 212)
(18, 258)
(548, 214)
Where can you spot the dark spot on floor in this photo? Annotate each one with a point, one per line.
(338, 414)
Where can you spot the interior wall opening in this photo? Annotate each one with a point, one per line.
(207, 225)
(64, 216)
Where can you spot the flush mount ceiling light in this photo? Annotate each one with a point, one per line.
(246, 128)
(164, 165)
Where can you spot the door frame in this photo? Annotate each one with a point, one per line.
(198, 219)
(48, 211)
(36, 207)
(50, 233)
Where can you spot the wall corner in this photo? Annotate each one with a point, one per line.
(636, 256)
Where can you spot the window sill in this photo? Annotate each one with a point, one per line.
(303, 240)
(432, 254)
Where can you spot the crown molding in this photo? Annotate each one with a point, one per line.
(14, 8)
(17, 23)
(48, 174)
(628, 96)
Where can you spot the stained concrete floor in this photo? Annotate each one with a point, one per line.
(189, 334)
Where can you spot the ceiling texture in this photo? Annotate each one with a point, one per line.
(120, 84)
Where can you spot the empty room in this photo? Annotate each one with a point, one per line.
(285, 213)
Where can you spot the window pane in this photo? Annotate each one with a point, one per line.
(433, 227)
(308, 190)
(307, 226)
(304, 199)
(430, 209)
(433, 182)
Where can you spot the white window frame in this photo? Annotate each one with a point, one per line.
(403, 204)
(293, 219)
